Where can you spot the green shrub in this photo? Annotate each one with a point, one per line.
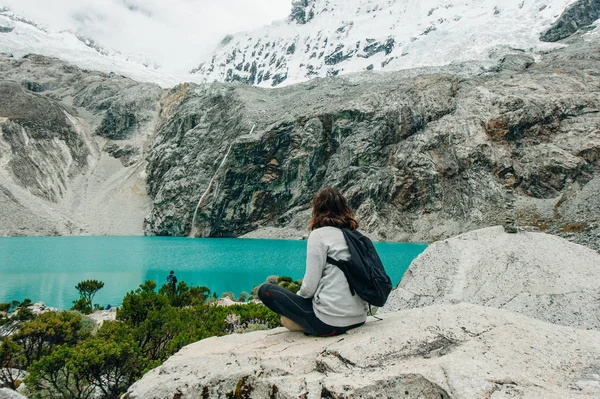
(229, 295)
(59, 375)
(137, 304)
(68, 357)
(97, 365)
(184, 295)
(40, 336)
(291, 286)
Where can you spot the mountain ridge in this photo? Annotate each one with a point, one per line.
(325, 38)
(421, 154)
(329, 37)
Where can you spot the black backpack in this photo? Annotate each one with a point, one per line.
(364, 271)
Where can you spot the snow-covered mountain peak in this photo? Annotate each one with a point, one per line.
(329, 37)
(20, 36)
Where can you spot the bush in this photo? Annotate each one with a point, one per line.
(199, 294)
(137, 304)
(67, 360)
(46, 332)
(229, 295)
(20, 313)
(255, 292)
(159, 327)
(97, 365)
(59, 375)
(184, 295)
(81, 305)
(293, 286)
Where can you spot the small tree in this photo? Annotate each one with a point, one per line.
(111, 361)
(42, 335)
(87, 290)
(60, 375)
(11, 359)
(243, 297)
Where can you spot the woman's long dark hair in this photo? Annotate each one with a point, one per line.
(330, 208)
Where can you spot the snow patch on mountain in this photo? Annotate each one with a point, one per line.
(20, 37)
(330, 37)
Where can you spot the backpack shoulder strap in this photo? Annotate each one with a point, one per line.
(343, 266)
(335, 262)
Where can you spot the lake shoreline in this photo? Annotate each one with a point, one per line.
(47, 269)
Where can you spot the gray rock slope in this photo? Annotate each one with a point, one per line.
(443, 351)
(538, 275)
(72, 146)
(421, 155)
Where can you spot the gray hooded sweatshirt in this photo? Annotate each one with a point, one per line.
(326, 284)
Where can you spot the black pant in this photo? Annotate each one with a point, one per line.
(297, 309)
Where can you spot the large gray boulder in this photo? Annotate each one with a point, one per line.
(539, 275)
(447, 351)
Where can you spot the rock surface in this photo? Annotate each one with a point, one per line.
(539, 275)
(446, 351)
(40, 307)
(581, 14)
(6, 393)
(100, 316)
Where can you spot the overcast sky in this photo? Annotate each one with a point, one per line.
(175, 33)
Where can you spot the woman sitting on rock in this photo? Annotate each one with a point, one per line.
(324, 305)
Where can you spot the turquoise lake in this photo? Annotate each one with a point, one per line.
(47, 269)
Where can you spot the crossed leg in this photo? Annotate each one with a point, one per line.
(290, 325)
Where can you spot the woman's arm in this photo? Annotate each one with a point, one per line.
(316, 257)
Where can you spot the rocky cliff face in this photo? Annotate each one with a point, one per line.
(72, 146)
(421, 154)
(580, 15)
(44, 143)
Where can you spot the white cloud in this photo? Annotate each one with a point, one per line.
(177, 34)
